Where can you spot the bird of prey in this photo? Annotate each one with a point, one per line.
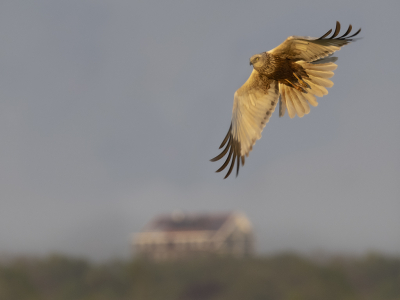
(293, 73)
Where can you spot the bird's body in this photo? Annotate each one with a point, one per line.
(293, 74)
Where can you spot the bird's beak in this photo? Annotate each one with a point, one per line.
(251, 63)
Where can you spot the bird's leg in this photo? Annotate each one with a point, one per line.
(290, 83)
(302, 82)
(296, 86)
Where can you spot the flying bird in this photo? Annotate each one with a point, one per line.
(293, 73)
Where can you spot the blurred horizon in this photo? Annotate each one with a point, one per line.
(280, 276)
(110, 112)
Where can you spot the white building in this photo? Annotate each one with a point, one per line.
(182, 235)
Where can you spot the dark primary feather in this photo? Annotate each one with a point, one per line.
(326, 34)
(359, 30)
(337, 30)
(348, 31)
(234, 154)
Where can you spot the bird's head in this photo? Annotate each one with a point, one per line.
(258, 60)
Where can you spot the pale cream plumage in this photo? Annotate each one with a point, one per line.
(252, 109)
(294, 72)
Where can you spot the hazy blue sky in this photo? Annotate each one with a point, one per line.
(111, 110)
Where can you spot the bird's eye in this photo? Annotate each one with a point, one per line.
(257, 59)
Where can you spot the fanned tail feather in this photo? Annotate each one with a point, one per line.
(296, 101)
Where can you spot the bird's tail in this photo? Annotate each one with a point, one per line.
(296, 100)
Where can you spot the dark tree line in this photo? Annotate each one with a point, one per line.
(284, 276)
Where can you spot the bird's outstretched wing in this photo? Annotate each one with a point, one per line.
(314, 56)
(310, 49)
(253, 105)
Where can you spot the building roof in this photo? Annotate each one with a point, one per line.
(187, 222)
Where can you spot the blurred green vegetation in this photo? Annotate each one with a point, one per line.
(283, 276)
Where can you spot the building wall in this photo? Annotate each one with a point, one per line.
(234, 237)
